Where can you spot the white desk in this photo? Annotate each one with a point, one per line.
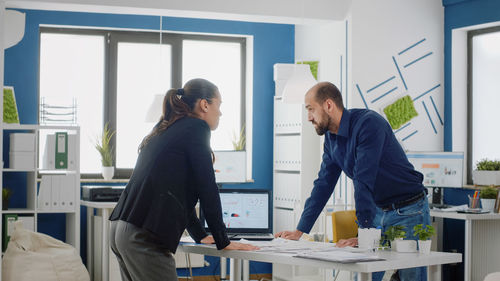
(105, 208)
(482, 245)
(393, 260)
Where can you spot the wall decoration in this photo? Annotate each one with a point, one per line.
(395, 95)
(400, 112)
(10, 114)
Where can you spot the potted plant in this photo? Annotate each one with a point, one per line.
(488, 197)
(487, 172)
(6, 193)
(395, 235)
(105, 149)
(239, 141)
(424, 233)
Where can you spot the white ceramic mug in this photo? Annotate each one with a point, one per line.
(369, 238)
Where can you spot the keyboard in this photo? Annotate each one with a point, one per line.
(251, 236)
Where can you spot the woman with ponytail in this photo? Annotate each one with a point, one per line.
(173, 171)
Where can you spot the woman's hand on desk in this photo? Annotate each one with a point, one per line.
(351, 242)
(209, 239)
(241, 246)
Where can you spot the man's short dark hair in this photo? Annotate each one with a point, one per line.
(327, 90)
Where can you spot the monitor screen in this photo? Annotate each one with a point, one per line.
(245, 210)
(440, 169)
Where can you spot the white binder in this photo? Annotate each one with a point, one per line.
(45, 193)
(67, 189)
(56, 192)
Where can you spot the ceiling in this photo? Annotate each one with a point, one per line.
(273, 11)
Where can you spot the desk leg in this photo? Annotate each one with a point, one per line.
(105, 244)
(223, 268)
(363, 276)
(235, 270)
(434, 272)
(90, 244)
(246, 270)
(467, 249)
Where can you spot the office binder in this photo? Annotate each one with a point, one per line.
(61, 157)
(8, 228)
(45, 193)
(67, 192)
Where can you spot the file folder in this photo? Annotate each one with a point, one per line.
(8, 228)
(45, 193)
(61, 157)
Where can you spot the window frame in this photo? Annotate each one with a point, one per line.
(114, 37)
(470, 100)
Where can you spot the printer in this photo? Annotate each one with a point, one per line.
(101, 193)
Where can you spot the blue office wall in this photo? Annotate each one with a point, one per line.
(459, 13)
(273, 43)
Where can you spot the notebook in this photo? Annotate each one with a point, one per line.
(245, 213)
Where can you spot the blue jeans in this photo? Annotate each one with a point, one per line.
(408, 216)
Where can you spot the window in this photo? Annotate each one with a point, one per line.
(115, 75)
(483, 96)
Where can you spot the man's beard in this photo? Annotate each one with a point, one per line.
(323, 125)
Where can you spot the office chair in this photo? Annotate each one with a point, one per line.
(344, 225)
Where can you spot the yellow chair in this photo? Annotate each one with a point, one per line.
(344, 225)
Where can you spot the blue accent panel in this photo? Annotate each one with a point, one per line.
(437, 112)
(361, 94)
(411, 46)
(273, 43)
(426, 92)
(404, 126)
(381, 84)
(428, 115)
(410, 135)
(399, 71)
(420, 58)
(388, 92)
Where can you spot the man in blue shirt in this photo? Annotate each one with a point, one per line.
(360, 142)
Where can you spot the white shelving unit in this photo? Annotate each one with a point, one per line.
(296, 165)
(33, 175)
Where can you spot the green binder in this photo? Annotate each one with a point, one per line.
(61, 156)
(8, 227)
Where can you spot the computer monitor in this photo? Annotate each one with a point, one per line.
(245, 210)
(440, 169)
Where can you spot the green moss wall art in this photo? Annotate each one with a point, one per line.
(10, 114)
(314, 67)
(400, 112)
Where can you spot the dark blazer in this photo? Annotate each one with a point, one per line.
(172, 172)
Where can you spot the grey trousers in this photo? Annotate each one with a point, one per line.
(138, 258)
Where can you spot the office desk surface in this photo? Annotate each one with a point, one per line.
(393, 260)
(464, 216)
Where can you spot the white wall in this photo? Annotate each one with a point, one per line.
(381, 30)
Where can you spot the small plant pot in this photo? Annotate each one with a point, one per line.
(424, 246)
(108, 172)
(488, 204)
(404, 246)
(486, 177)
(5, 205)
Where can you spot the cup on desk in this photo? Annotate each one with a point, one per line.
(473, 202)
(318, 236)
(369, 238)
